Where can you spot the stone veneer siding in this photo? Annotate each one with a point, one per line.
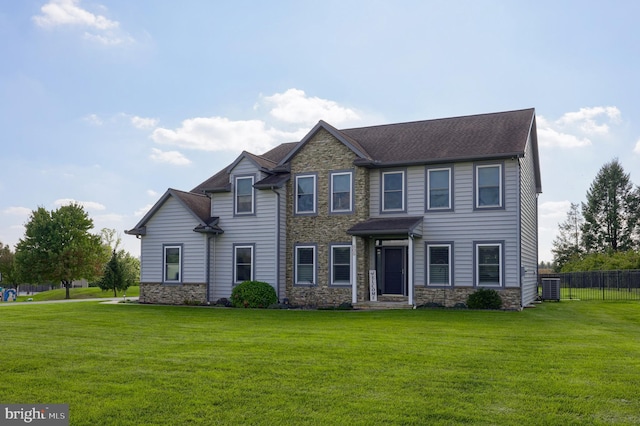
(173, 294)
(322, 155)
(448, 297)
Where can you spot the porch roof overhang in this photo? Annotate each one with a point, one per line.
(209, 227)
(410, 226)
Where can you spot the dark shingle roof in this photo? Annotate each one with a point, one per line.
(494, 135)
(388, 226)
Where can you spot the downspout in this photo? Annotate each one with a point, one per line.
(208, 271)
(277, 283)
(354, 271)
(410, 271)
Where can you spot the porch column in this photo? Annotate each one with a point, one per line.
(410, 269)
(354, 271)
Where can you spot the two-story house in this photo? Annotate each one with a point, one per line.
(418, 212)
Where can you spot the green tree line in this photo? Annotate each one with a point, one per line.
(59, 248)
(602, 233)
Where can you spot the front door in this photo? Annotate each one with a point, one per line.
(393, 260)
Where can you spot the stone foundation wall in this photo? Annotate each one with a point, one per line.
(174, 294)
(316, 296)
(448, 297)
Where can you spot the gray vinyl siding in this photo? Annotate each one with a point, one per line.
(258, 229)
(464, 225)
(529, 227)
(172, 224)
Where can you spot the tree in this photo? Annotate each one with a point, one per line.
(58, 247)
(8, 268)
(611, 212)
(121, 272)
(567, 244)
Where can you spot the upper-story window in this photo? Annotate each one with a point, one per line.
(393, 191)
(489, 186)
(172, 259)
(341, 192)
(306, 194)
(439, 189)
(244, 195)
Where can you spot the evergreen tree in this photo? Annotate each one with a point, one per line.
(611, 212)
(567, 244)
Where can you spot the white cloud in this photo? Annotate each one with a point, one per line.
(67, 12)
(554, 209)
(575, 129)
(294, 106)
(93, 119)
(152, 193)
(143, 210)
(17, 211)
(637, 148)
(222, 134)
(88, 205)
(171, 157)
(143, 123)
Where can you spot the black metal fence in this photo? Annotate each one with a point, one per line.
(597, 285)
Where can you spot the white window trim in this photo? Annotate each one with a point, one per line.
(235, 196)
(315, 193)
(429, 246)
(235, 261)
(448, 207)
(403, 194)
(331, 271)
(500, 186)
(350, 209)
(164, 262)
(315, 264)
(500, 265)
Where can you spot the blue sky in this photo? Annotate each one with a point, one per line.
(109, 103)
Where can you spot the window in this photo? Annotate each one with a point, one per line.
(439, 264)
(244, 195)
(243, 261)
(305, 194)
(172, 263)
(488, 264)
(392, 191)
(340, 264)
(489, 186)
(439, 189)
(305, 265)
(341, 192)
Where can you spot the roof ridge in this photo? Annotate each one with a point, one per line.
(438, 119)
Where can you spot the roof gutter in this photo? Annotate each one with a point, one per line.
(372, 164)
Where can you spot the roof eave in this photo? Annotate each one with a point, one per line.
(371, 164)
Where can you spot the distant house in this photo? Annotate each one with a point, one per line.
(426, 211)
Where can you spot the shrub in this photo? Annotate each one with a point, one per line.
(253, 294)
(484, 298)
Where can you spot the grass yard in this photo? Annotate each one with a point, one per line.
(567, 363)
(78, 293)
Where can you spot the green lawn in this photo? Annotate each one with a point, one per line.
(78, 293)
(567, 363)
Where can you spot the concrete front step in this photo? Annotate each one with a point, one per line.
(382, 305)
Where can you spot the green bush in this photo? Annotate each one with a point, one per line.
(253, 294)
(484, 298)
